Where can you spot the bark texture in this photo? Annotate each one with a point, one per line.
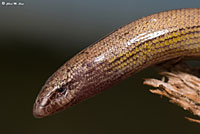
(181, 84)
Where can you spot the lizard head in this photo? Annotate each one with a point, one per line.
(59, 92)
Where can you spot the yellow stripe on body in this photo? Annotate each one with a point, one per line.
(155, 46)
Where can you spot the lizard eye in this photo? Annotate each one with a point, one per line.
(61, 90)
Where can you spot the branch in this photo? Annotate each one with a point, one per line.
(181, 84)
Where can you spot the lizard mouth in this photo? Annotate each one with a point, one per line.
(40, 108)
(38, 111)
(44, 106)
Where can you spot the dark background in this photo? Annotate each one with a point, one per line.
(37, 38)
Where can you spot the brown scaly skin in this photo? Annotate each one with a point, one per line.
(144, 42)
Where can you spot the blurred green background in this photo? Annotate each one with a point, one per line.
(37, 38)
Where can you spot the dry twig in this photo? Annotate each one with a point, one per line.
(182, 86)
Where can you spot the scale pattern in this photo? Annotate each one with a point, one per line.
(131, 48)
